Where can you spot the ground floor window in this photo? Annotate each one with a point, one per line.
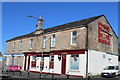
(42, 63)
(18, 62)
(7, 60)
(51, 64)
(74, 62)
(33, 62)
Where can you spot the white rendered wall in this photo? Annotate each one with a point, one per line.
(82, 66)
(99, 60)
(57, 64)
(23, 63)
(46, 64)
(37, 68)
(27, 63)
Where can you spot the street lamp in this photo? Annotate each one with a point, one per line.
(32, 16)
(39, 25)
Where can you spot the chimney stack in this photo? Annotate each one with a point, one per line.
(39, 25)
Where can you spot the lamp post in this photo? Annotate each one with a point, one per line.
(39, 25)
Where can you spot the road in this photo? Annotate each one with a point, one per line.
(36, 76)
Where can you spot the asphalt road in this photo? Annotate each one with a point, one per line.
(36, 76)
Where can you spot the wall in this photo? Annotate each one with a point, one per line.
(63, 41)
(82, 66)
(93, 43)
(25, 45)
(57, 64)
(99, 60)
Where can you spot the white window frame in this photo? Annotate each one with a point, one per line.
(53, 40)
(44, 41)
(73, 37)
(20, 45)
(78, 63)
(14, 45)
(9, 44)
(31, 43)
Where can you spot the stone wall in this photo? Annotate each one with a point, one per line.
(93, 38)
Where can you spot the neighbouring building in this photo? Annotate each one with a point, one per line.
(2, 62)
(76, 48)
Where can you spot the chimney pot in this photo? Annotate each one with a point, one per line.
(40, 23)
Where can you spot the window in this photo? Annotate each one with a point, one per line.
(31, 43)
(9, 45)
(8, 61)
(104, 56)
(20, 46)
(44, 41)
(14, 44)
(51, 58)
(51, 64)
(18, 62)
(13, 58)
(74, 62)
(73, 37)
(33, 62)
(53, 38)
(34, 58)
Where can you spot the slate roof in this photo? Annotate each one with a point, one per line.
(72, 24)
(61, 27)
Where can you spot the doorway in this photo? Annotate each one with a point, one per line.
(63, 70)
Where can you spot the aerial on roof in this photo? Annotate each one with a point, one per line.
(61, 27)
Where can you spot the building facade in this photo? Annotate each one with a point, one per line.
(76, 48)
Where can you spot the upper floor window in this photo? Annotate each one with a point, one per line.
(9, 45)
(44, 41)
(53, 38)
(73, 37)
(20, 45)
(31, 43)
(14, 44)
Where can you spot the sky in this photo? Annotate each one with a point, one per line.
(15, 23)
(60, 0)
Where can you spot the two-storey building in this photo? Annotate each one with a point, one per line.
(76, 48)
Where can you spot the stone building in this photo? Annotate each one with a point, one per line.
(76, 48)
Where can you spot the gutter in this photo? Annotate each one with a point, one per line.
(86, 51)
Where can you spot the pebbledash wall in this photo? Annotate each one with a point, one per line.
(76, 48)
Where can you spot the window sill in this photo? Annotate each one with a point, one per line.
(20, 49)
(74, 44)
(30, 48)
(74, 70)
(43, 47)
(52, 46)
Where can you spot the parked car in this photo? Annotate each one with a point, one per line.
(111, 71)
(13, 68)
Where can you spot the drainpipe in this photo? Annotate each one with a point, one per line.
(87, 51)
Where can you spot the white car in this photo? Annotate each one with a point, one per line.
(110, 71)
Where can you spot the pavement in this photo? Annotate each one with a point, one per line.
(36, 76)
